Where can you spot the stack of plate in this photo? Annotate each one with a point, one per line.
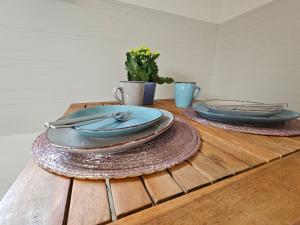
(110, 136)
(244, 112)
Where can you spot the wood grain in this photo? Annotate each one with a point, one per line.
(129, 195)
(287, 172)
(231, 139)
(161, 186)
(297, 223)
(296, 138)
(218, 141)
(188, 177)
(168, 105)
(260, 198)
(210, 169)
(75, 107)
(222, 154)
(227, 161)
(292, 143)
(232, 149)
(89, 203)
(36, 197)
(280, 147)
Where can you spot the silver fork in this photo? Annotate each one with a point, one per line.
(121, 119)
(120, 116)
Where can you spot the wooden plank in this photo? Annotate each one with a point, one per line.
(90, 105)
(280, 147)
(208, 168)
(261, 151)
(297, 223)
(296, 137)
(289, 174)
(129, 195)
(259, 198)
(227, 161)
(231, 149)
(217, 141)
(123, 187)
(103, 103)
(75, 107)
(89, 203)
(36, 197)
(161, 186)
(229, 137)
(288, 142)
(33, 186)
(258, 142)
(168, 105)
(188, 177)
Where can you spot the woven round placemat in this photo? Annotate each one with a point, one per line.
(289, 128)
(174, 146)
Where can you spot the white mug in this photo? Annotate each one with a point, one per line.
(132, 92)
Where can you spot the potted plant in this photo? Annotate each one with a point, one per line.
(141, 66)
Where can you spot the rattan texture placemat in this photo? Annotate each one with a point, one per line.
(174, 146)
(289, 128)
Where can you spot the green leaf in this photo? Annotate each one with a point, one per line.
(128, 56)
(162, 80)
(132, 68)
(143, 67)
(129, 76)
(155, 57)
(143, 75)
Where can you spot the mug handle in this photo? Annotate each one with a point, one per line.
(196, 92)
(115, 94)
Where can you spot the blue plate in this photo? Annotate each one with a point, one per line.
(283, 116)
(71, 141)
(142, 117)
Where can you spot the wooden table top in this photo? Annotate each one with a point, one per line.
(235, 178)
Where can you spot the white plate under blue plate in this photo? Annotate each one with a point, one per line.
(142, 118)
(283, 116)
(244, 112)
(70, 140)
(243, 108)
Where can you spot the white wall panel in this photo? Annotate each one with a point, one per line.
(258, 55)
(216, 11)
(55, 52)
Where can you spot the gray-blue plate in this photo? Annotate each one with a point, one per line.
(70, 140)
(142, 118)
(283, 116)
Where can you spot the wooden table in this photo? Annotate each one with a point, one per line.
(235, 178)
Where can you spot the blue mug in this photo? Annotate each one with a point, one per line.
(185, 93)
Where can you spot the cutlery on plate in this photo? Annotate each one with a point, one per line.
(73, 122)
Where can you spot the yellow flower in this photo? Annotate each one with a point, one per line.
(148, 52)
(144, 48)
(143, 51)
